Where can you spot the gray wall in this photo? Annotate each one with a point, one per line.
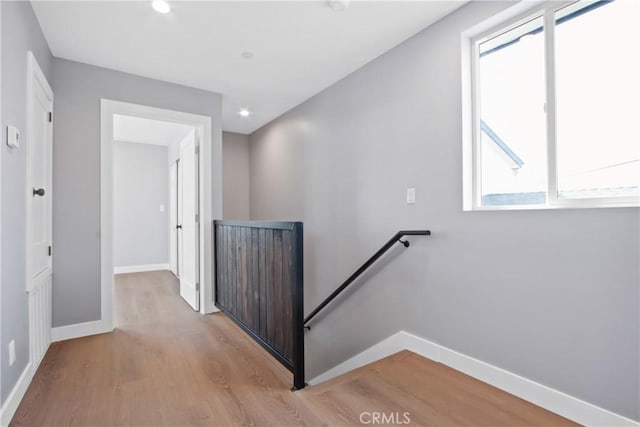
(551, 295)
(235, 167)
(76, 171)
(140, 186)
(20, 33)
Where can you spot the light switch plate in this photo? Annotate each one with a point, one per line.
(411, 196)
(12, 352)
(13, 137)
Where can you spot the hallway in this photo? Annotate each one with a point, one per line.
(164, 364)
(168, 365)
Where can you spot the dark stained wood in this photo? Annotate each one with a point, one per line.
(282, 325)
(255, 278)
(166, 365)
(243, 248)
(235, 305)
(220, 260)
(262, 289)
(287, 292)
(270, 285)
(258, 266)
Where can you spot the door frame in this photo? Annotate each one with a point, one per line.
(173, 206)
(210, 200)
(35, 76)
(1, 157)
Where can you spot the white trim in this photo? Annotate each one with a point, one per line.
(39, 308)
(210, 179)
(567, 204)
(470, 123)
(553, 400)
(468, 151)
(384, 348)
(140, 268)
(10, 405)
(79, 330)
(106, 218)
(550, 100)
(1, 156)
(471, 146)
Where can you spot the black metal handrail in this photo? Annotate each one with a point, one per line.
(395, 239)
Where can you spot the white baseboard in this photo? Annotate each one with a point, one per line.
(13, 400)
(553, 400)
(61, 333)
(78, 330)
(384, 348)
(140, 268)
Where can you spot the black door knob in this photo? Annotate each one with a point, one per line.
(38, 192)
(179, 227)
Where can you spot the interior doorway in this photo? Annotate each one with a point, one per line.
(190, 152)
(144, 238)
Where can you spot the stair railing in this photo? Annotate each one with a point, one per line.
(397, 238)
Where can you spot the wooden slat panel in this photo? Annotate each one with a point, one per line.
(287, 294)
(278, 321)
(263, 282)
(236, 257)
(230, 269)
(227, 265)
(256, 275)
(245, 280)
(229, 257)
(242, 272)
(222, 268)
(270, 302)
(255, 279)
(225, 262)
(219, 260)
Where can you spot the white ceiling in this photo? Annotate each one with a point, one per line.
(299, 47)
(148, 131)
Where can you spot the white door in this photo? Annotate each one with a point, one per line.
(173, 218)
(188, 225)
(39, 218)
(39, 195)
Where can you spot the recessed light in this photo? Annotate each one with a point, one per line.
(246, 54)
(338, 5)
(161, 6)
(244, 112)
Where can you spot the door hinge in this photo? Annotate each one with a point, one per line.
(49, 250)
(197, 149)
(197, 218)
(197, 286)
(50, 117)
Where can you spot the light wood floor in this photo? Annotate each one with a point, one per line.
(167, 365)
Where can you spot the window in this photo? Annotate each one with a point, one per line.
(556, 108)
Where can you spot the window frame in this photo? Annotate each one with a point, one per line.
(472, 149)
